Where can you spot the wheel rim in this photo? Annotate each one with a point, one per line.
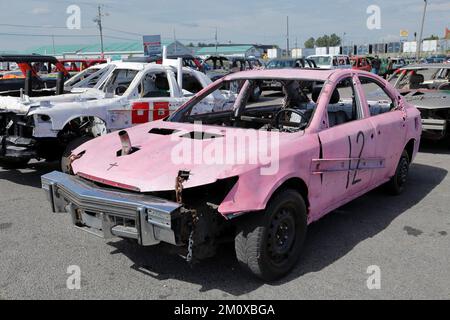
(281, 235)
(403, 172)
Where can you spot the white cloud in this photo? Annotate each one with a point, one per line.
(432, 7)
(439, 6)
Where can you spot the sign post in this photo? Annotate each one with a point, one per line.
(152, 45)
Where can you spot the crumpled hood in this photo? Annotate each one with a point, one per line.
(155, 166)
(429, 99)
(25, 104)
(17, 105)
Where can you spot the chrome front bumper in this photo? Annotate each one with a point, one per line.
(110, 213)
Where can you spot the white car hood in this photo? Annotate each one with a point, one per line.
(24, 104)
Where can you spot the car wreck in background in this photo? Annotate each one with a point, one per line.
(331, 61)
(73, 66)
(189, 61)
(428, 88)
(90, 78)
(325, 149)
(290, 63)
(220, 66)
(361, 63)
(286, 63)
(133, 93)
(217, 67)
(37, 77)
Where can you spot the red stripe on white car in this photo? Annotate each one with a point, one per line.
(160, 110)
(140, 112)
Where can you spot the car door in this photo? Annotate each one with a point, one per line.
(389, 120)
(157, 97)
(347, 155)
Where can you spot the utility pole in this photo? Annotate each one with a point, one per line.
(287, 36)
(421, 30)
(98, 20)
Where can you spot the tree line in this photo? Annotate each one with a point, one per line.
(332, 40)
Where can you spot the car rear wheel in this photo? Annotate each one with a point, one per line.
(397, 183)
(268, 244)
(65, 159)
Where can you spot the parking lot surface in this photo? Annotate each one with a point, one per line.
(407, 237)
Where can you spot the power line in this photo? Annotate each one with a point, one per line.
(118, 38)
(86, 3)
(46, 35)
(37, 26)
(121, 31)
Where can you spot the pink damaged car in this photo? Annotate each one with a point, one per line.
(256, 172)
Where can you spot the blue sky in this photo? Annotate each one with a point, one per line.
(238, 21)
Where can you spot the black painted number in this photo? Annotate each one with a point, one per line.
(355, 180)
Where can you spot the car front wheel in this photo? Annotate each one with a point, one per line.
(65, 159)
(13, 163)
(268, 244)
(397, 183)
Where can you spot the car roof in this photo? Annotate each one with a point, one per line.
(82, 60)
(184, 56)
(287, 74)
(130, 65)
(27, 58)
(286, 59)
(329, 55)
(427, 66)
(98, 66)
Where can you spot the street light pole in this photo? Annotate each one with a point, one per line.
(419, 43)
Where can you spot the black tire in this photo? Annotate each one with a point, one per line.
(397, 183)
(285, 217)
(13, 163)
(64, 162)
(444, 86)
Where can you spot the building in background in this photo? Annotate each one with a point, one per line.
(113, 51)
(243, 51)
(125, 50)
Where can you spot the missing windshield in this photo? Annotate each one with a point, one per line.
(261, 104)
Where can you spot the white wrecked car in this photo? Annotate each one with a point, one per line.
(90, 78)
(133, 93)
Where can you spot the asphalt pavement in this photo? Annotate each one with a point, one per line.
(407, 237)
